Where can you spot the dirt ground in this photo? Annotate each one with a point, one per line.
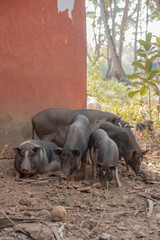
(130, 212)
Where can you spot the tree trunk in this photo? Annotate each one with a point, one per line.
(109, 70)
(118, 70)
(147, 4)
(136, 33)
(113, 16)
(122, 29)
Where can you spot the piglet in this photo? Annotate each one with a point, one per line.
(75, 146)
(104, 154)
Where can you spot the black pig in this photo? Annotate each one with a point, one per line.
(104, 153)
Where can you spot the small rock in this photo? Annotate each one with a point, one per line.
(97, 185)
(141, 234)
(25, 201)
(104, 236)
(27, 214)
(59, 214)
(120, 227)
(44, 213)
(158, 218)
(37, 231)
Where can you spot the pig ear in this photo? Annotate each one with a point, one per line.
(132, 153)
(144, 152)
(58, 151)
(36, 150)
(17, 150)
(76, 152)
(114, 120)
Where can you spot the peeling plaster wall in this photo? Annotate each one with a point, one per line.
(64, 5)
(42, 62)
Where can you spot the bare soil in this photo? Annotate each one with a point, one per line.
(130, 212)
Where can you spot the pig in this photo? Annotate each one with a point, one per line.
(35, 156)
(104, 154)
(127, 144)
(92, 103)
(75, 146)
(123, 123)
(140, 126)
(51, 124)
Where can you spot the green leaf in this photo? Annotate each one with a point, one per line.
(155, 88)
(156, 44)
(154, 85)
(140, 50)
(138, 83)
(138, 64)
(143, 91)
(155, 56)
(153, 73)
(158, 40)
(149, 37)
(134, 76)
(146, 45)
(93, 24)
(148, 65)
(153, 52)
(133, 93)
(156, 81)
(144, 55)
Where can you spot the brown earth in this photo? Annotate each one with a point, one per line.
(130, 212)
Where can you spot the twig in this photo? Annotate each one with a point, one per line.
(151, 204)
(6, 158)
(146, 197)
(95, 194)
(3, 170)
(3, 150)
(152, 182)
(14, 224)
(86, 189)
(147, 218)
(56, 234)
(97, 223)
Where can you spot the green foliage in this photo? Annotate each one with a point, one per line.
(146, 78)
(94, 83)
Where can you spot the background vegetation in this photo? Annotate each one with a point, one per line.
(108, 78)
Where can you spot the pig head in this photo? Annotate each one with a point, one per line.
(27, 159)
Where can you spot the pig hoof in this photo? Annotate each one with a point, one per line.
(120, 185)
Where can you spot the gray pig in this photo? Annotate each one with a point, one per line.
(35, 156)
(75, 146)
(104, 154)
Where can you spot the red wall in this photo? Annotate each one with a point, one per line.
(42, 59)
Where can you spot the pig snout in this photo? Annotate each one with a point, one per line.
(105, 176)
(68, 167)
(25, 167)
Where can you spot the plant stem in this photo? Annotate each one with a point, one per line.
(149, 101)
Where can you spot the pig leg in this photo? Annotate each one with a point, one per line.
(92, 156)
(107, 185)
(88, 157)
(84, 167)
(72, 177)
(94, 163)
(117, 178)
(127, 167)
